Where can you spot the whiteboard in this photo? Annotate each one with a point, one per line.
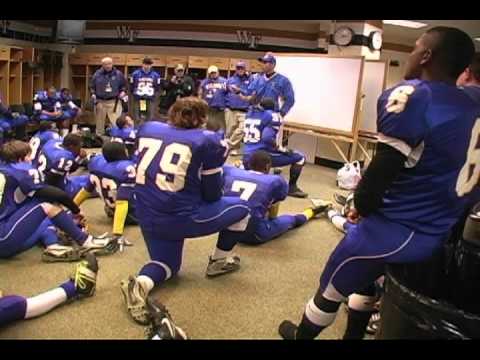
(325, 89)
(373, 84)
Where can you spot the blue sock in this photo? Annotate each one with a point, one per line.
(63, 221)
(300, 219)
(155, 272)
(70, 289)
(49, 236)
(12, 308)
(227, 239)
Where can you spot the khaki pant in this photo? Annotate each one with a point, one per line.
(235, 121)
(216, 119)
(105, 108)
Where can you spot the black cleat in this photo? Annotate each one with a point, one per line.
(162, 326)
(295, 191)
(320, 206)
(287, 330)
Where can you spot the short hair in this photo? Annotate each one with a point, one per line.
(188, 113)
(72, 140)
(114, 151)
(475, 67)
(121, 121)
(45, 125)
(267, 103)
(52, 88)
(107, 58)
(260, 160)
(14, 151)
(453, 51)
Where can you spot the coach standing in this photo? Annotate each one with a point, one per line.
(270, 84)
(107, 86)
(144, 85)
(212, 90)
(236, 107)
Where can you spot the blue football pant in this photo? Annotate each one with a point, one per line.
(279, 159)
(27, 227)
(265, 230)
(165, 236)
(361, 256)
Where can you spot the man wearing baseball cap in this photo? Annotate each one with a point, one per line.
(236, 107)
(144, 85)
(270, 84)
(213, 90)
(180, 85)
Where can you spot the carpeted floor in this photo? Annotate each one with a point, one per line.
(275, 282)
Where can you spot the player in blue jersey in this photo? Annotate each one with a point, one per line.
(70, 110)
(11, 123)
(45, 133)
(81, 284)
(261, 132)
(422, 179)
(144, 85)
(179, 195)
(125, 132)
(112, 175)
(29, 214)
(469, 80)
(58, 159)
(264, 192)
(47, 105)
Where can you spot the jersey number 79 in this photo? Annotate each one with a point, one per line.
(172, 167)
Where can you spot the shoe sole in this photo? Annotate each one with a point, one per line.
(298, 196)
(124, 287)
(54, 259)
(220, 272)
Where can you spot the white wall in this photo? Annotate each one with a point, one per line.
(395, 74)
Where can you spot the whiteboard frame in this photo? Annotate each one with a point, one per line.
(384, 85)
(356, 114)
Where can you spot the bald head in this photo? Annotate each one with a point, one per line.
(440, 54)
(107, 63)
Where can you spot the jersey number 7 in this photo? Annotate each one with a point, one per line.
(173, 165)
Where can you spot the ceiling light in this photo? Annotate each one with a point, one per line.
(477, 38)
(406, 23)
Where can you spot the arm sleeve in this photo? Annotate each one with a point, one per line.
(280, 190)
(55, 195)
(121, 212)
(289, 97)
(131, 82)
(54, 179)
(91, 84)
(122, 82)
(382, 171)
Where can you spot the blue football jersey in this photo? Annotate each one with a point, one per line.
(42, 101)
(127, 135)
(473, 91)
(112, 180)
(437, 127)
(258, 189)
(171, 162)
(39, 140)
(261, 130)
(17, 182)
(56, 159)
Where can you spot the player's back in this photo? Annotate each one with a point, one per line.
(259, 189)
(112, 178)
(56, 159)
(125, 135)
(16, 181)
(257, 121)
(170, 163)
(39, 140)
(431, 192)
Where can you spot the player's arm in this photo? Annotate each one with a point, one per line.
(401, 128)
(54, 178)
(215, 153)
(131, 82)
(279, 193)
(288, 97)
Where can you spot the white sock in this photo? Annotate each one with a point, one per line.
(220, 254)
(45, 302)
(74, 128)
(88, 241)
(337, 219)
(63, 132)
(361, 302)
(146, 282)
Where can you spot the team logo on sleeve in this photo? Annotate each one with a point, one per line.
(398, 98)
